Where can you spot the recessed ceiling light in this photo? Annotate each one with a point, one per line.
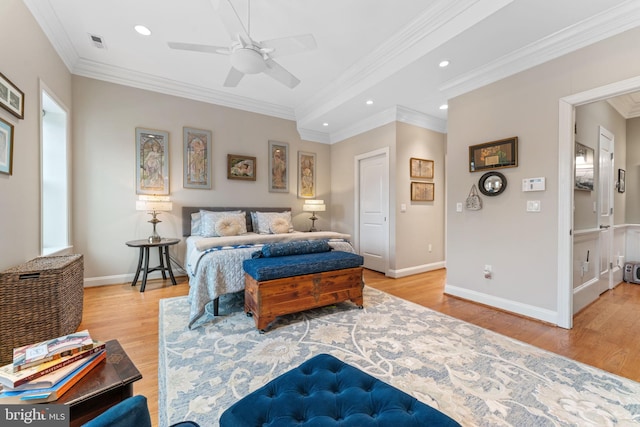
(141, 29)
(444, 63)
(444, 107)
(369, 101)
(325, 124)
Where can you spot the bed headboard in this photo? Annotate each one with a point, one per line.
(188, 210)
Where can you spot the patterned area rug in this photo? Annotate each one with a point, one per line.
(476, 376)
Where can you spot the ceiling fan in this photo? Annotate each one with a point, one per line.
(249, 56)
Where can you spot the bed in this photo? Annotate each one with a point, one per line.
(213, 259)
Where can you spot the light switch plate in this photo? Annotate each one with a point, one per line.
(533, 205)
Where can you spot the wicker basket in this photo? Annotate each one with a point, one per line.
(39, 300)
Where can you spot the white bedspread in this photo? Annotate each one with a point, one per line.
(214, 264)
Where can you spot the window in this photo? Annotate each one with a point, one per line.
(55, 177)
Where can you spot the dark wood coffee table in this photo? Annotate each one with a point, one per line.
(106, 384)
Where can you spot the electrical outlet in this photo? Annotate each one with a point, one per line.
(430, 247)
(488, 272)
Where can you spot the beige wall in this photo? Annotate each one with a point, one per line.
(105, 118)
(522, 247)
(410, 232)
(28, 58)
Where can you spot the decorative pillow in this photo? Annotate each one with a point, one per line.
(210, 219)
(279, 226)
(264, 220)
(228, 226)
(195, 224)
(295, 248)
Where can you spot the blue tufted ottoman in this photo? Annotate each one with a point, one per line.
(324, 391)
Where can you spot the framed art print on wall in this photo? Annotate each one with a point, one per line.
(196, 157)
(494, 155)
(278, 167)
(422, 191)
(420, 168)
(152, 162)
(241, 167)
(584, 168)
(6, 147)
(11, 98)
(306, 175)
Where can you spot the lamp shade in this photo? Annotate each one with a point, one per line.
(313, 205)
(154, 203)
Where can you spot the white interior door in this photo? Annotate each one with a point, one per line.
(605, 209)
(372, 209)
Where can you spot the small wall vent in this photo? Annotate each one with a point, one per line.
(97, 41)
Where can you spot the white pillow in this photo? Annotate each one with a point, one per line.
(210, 219)
(264, 220)
(195, 224)
(279, 226)
(228, 226)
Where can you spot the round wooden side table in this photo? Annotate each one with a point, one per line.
(163, 252)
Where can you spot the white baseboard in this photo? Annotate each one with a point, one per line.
(415, 270)
(504, 304)
(122, 278)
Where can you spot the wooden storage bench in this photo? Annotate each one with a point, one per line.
(274, 286)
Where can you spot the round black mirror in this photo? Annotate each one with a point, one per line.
(492, 183)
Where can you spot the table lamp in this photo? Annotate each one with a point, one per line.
(154, 205)
(314, 206)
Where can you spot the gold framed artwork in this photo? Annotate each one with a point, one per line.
(494, 155)
(196, 158)
(241, 167)
(306, 175)
(152, 162)
(420, 168)
(278, 167)
(422, 191)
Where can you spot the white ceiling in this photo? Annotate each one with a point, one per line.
(384, 50)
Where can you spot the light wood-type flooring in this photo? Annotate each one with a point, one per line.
(604, 334)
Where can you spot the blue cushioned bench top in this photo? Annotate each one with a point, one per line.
(324, 391)
(262, 269)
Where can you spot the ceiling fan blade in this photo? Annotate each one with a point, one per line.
(222, 50)
(276, 71)
(233, 78)
(289, 45)
(231, 20)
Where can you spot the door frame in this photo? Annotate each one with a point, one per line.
(565, 188)
(356, 210)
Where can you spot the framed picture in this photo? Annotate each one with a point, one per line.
(306, 175)
(422, 191)
(278, 167)
(241, 167)
(11, 98)
(6, 147)
(584, 168)
(621, 180)
(420, 168)
(152, 162)
(196, 158)
(494, 155)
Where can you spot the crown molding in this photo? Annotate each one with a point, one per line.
(47, 20)
(594, 29)
(166, 86)
(628, 107)
(390, 115)
(438, 24)
(314, 136)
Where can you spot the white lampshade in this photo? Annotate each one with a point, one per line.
(154, 203)
(312, 205)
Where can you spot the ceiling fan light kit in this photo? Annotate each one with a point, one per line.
(248, 60)
(248, 56)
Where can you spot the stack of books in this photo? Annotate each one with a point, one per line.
(44, 371)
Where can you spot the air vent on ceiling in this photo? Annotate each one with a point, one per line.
(97, 41)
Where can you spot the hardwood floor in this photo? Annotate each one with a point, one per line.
(603, 333)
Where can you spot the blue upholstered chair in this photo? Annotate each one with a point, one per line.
(131, 412)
